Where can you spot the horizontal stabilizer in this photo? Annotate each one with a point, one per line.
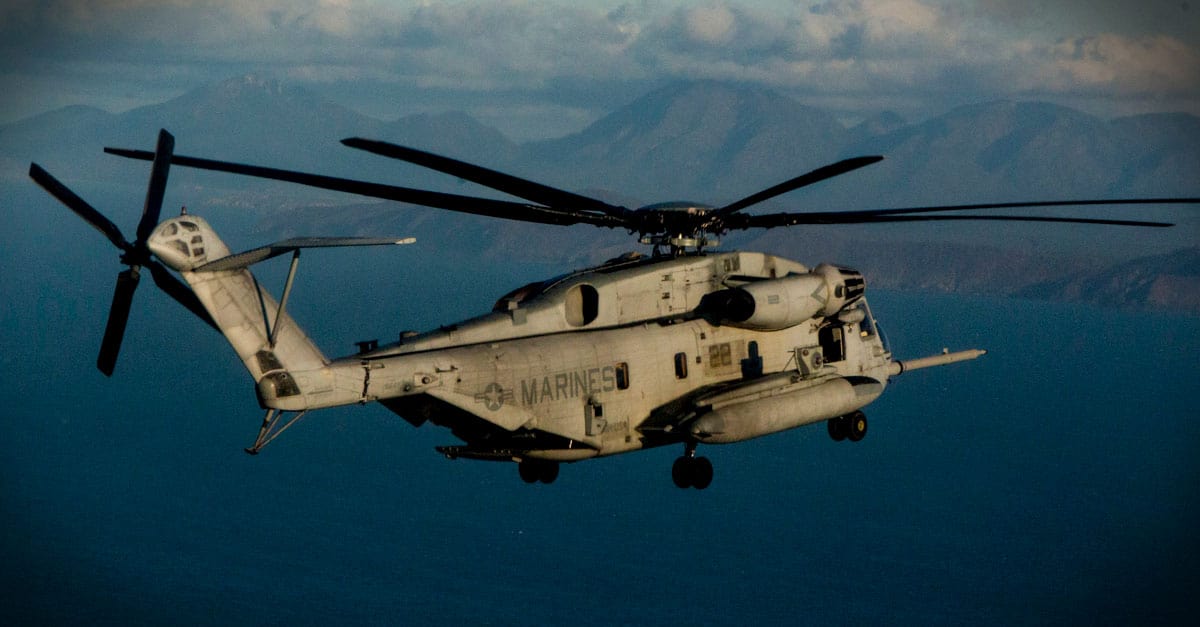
(262, 253)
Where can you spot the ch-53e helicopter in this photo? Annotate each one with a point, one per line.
(684, 346)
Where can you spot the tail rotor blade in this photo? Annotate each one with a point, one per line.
(180, 292)
(118, 316)
(78, 205)
(157, 186)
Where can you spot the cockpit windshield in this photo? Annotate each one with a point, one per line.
(868, 327)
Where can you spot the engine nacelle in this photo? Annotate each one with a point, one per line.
(776, 304)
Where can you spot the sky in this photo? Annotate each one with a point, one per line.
(545, 68)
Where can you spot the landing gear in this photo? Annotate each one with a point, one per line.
(535, 470)
(856, 426)
(851, 426)
(837, 428)
(690, 471)
(271, 429)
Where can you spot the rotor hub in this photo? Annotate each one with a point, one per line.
(679, 224)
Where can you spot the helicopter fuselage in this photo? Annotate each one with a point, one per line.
(613, 390)
(635, 353)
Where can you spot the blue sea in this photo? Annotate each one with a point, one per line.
(1055, 480)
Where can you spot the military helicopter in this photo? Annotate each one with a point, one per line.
(684, 346)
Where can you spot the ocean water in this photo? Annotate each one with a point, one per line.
(1055, 480)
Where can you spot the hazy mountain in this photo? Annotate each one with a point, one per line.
(252, 119)
(1162, 153)
(72, 125)
(876, 125)
(997, 151)
(454, 134)
(255, 118)
(1168, 281)
(707, 141)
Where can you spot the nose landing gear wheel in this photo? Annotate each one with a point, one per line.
(681, 472)
(692, 472)
(535, 470)
(702, 473)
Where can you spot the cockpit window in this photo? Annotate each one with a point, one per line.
(866, 328)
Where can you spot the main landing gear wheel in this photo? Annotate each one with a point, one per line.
(535, 470)
(851, 427)
(856, 426)
(837, 428)
(690, 471)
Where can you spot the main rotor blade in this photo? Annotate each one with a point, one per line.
(912, 214)
(767, 221)
(452, 202)
(507, 183)
(180, 292)
(157, 187)
(1024, 205)
(79, 206)
(118, 316)
(816, 176)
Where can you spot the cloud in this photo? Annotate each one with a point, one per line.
(875, 52)
(877, 28)
(710, 25)
(1121, 64)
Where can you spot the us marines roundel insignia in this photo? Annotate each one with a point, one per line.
(493, 396)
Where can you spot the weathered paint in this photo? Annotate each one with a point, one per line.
(611, 371)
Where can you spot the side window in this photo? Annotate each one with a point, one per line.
(582, 305)
(681, 365)
(832, 340)
(720, 355)
(622, 376)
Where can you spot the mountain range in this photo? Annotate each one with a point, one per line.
(708, 141)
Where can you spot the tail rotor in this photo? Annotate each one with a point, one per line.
(135, 256)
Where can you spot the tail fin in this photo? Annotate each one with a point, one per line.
(242, 310)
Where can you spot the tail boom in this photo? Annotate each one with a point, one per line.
(287, 366)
